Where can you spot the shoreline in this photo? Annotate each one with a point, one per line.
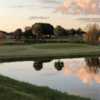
(16, 90)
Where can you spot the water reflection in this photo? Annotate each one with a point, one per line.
(59, 65)
(87, 72)
(93, 64)
(79, 76)
(38, 65)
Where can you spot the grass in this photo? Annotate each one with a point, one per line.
(14, 90)
(47, 50)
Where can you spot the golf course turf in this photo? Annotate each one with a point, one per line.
(47, 50)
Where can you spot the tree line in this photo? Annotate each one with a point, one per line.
(47, 31)
(44, 30)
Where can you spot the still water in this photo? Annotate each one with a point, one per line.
(74, 76)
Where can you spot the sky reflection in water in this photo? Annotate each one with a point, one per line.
(78, 76)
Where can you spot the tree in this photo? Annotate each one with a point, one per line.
(3, 34)
(80, 32)
(93, 33)
(72, 32)
(42, 30)
(60, 31)
(17, 34)
(28, 33)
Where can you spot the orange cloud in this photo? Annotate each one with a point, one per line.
(83, 3)
(64, 7)
(80, 6)
(87, 5)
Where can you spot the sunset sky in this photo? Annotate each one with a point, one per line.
(68, 13)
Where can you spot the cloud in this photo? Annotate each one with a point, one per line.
(21, 6)
(89, 19)
(38, 17)
(80, 7)
(50, 1)
(40, 4)
(49, 4)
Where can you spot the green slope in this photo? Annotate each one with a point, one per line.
(15, 90)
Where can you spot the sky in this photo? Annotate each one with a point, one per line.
(67, 13)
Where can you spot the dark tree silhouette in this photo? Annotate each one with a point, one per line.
(59, 65)
(41, 30)
(72, 32)
(60, 31)
(17, 34)
(28, 33)
(80, 32)
(38, 65)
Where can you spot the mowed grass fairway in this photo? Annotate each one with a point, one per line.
(15, 90)
(47, 50)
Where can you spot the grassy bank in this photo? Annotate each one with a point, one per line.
(15, 90)
(47, 50)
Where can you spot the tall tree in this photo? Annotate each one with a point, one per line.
(60, 31)
(93, 34)
(17, 34)
(28, 33)
(42, 29)
(80, 32)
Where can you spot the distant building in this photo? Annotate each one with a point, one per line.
(3, 35)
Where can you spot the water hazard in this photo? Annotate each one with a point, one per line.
(79, 76)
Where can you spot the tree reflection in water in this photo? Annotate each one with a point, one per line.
(38, 65)
(59, 65)
(93, 64)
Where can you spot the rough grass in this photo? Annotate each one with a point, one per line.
(47, 50)
(15, 90)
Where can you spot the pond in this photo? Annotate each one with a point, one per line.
(77, 76)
